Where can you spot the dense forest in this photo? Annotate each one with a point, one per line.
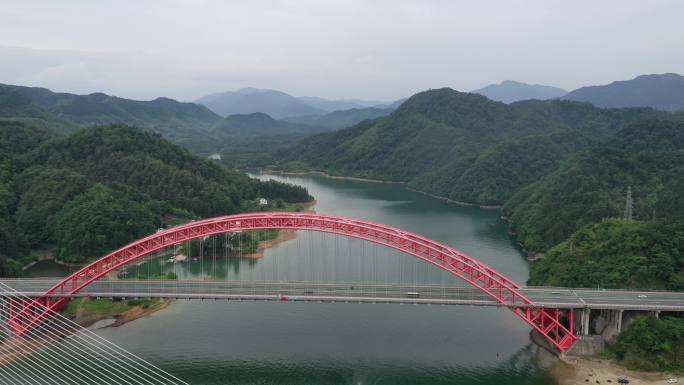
(647, 156)
(559, 168)
(499, 172)
(462, 146)
(80, 195)
(651, 344)
(615, 253)
(342, 118)
(568, 213)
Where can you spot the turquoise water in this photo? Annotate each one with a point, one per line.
(217, 342)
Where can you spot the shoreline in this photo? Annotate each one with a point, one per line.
(381, 181)
(531, 256)
(284, 235)
(130, 315)
(457, 203)
(42, 258)
(583, 370)
(305, 206)
(55, 260)
(325, 175)
(18, 347)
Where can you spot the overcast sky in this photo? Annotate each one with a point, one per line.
(369, 49)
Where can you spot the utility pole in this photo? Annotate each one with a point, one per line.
(629, 205)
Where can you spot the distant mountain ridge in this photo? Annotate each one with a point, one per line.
(661, 91)
(342, 118)
(189, 124)
(510, 91)
(100, 108)
(180, 122)
(277, 104)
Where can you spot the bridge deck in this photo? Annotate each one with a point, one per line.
(351, 292)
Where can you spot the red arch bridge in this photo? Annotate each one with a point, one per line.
(554, 322)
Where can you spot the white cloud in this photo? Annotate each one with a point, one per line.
(346, 48)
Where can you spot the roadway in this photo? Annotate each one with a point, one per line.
(354, 292)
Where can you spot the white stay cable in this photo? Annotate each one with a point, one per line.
(71, 350)
(78, 359)
(94, 357)
(57, 350)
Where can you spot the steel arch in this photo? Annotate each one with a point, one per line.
(547, 321)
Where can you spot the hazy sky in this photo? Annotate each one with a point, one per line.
(336, 49)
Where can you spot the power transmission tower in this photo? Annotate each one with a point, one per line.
(629, 205)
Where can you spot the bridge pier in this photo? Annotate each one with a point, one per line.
(619, 320)
(585, 315)
(610, 317)
(614, 318)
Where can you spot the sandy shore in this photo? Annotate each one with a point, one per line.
(576, 371)
(283, 236)
(18, 347)
(139, 312)
(305, 206)
(87, 320)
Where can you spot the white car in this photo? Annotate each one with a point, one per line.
(671, 381)
(642, 296)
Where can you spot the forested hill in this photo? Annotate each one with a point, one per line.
(81, 195)
(342, 118)
(100, 108)
(592, 185)
(510, 91)
(461, 145)
(256, 124)
(183, 123)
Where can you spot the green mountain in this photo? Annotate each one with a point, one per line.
(14, 105)
(460, 145)
(497, 173)
(664, 92)
(647, 255)
(81, 195)
(249, 140)
(592, 185)
(183, 123)
(341, 119)
(510, 91)
(256, 124)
